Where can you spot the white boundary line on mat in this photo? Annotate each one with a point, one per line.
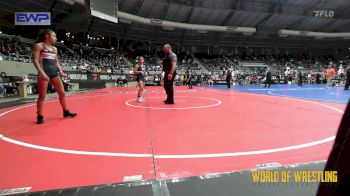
(315, 99)
(218, 102)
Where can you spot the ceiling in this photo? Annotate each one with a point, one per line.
(262, 14)
(268, 16)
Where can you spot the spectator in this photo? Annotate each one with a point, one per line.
(313, 79)
(125, 82)
(211, 80)
(341, 74)
(3, 75)
(300, 77)
(330, 75)
(25, 78)
(228, 78)
(2, 88)
(268, 78)
(309, 78)
(318, 78)
(29, 86)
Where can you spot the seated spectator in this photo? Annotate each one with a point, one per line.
(29, 86)
(3, 75)
(125, 81)
(25, 78)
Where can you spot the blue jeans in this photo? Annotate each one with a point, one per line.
(329, 83)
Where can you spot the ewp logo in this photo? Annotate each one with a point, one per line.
(32, 18)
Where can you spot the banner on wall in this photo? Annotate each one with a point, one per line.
(79, 76)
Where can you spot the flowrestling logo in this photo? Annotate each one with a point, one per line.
(324, 13)
(33, 18)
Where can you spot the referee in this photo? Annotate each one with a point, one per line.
(169, 68)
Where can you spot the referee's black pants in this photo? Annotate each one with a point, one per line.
(189, 84)
(300, 81)
(169, 88)
(268, 82)
(228, 83)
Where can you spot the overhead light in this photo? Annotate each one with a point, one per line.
(0, 32)
(232, 28)
(156, 21)
(98, 38)
(103, 37)
(72, 36)
(62, 41)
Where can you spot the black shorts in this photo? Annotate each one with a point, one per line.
(51, 76)
(140, 78)
(51, 71)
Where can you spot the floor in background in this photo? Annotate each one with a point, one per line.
(309, 92)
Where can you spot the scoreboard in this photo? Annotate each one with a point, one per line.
(105, 9)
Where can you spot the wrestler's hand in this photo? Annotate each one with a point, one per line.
(44, 77)
(170, 76)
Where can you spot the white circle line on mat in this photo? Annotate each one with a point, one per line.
(184, 156)
(218, 102)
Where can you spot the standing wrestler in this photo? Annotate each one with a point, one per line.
(140, 71)
(49, 70)
(169, 68)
